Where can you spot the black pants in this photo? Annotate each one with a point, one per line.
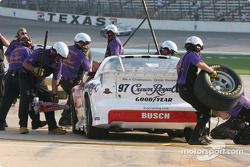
(31, 86)
(244, 114)
(2, 81)
(10, 94)
(12, 91)
(67, 85)
(203, 112)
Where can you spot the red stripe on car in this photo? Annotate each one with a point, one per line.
(151, 116)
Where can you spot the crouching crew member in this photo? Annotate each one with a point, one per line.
(239, 129)
(73, 69)
(35, 68)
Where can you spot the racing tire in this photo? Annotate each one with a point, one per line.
(74, 118)
(90, 131)
(221, 94)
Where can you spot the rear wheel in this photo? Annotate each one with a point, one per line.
(90, 131)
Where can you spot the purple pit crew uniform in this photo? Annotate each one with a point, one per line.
(31, 85)
(73, 69)
(114, 47)
(187, 73)
(13, 44)
(12, 89)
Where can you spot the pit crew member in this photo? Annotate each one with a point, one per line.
(187, 69)
(73, 69)
(35, 68)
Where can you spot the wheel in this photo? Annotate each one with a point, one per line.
(221, 94)
(73, 116)
(90, 131)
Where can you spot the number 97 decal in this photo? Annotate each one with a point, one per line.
(123, 87)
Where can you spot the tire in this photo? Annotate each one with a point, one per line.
(221, 94)
(90, 131)
(73, 116)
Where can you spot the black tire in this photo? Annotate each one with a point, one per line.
(222, 93)
(90, 131)
(73, 116)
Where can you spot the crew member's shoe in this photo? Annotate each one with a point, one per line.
(23, 130)
(199, 137)
(5, 124)
(64, 122)
(38, 125)
(57, 131)
(202, 140)
(2, 127)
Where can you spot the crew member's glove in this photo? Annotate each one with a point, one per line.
(213, 75)
(39, 71)
(55, 98)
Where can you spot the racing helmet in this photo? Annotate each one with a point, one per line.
(61, 49)
(194, 43)
(171, 46)
(111, 28)
(82, 37)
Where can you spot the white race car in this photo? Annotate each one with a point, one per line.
(131, 92)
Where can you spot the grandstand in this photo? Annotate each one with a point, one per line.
(199, 10)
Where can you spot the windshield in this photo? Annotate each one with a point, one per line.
(143, 63)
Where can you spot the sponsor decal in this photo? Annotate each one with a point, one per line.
(107, 91)
(158, 89)
(138, 89)
(154, 99)
(156, 115)
(76, 19)
(152, 116)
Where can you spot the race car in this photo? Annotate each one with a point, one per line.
(123, 30)
(131, 92)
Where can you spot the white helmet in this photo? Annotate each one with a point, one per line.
(112, 28)
(195, 41)
(82, 37)
(170, 45)
(61, 49)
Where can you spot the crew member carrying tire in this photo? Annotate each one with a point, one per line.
(187, 69)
